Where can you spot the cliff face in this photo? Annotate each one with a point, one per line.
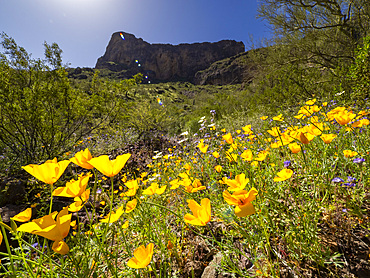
(164, 62)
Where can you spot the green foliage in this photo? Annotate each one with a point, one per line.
(313, 48)
(147, 116)
(41, 115)
(359, 72)
(323, 32)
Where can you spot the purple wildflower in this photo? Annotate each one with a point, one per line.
(336, 180)
(358, 160)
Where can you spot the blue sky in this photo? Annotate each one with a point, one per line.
(82, 28)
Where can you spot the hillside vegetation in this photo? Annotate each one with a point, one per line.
(112, 177)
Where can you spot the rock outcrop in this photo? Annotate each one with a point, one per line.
(164, 62)
(234, 70)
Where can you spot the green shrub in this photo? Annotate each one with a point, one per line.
(359, 72)
(41, 115)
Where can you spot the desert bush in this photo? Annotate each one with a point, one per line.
(42, 116)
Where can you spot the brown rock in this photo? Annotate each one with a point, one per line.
(164, 62)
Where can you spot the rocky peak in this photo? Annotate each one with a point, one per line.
(164, 62)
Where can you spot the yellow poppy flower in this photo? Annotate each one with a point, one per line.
(242, 201)
(23, 216)
(73, 188)
(131, 205)
(60, 247)
(247, 129)
(154, 189)
(218, 168)
(327, 138)
(113, 216)
(110, 168)
(232, 157)
(48, 227)
(174, 184)
(79, 201)
(228, 138)
(203, 148)
(332, 113)
(306, 138)
(132, 188)
(247, 155)
(216, 154)
(82, 159)
(344, 117)
(201, 213)
(278, 118)
(142, 256)
(283, 175)
(238, 183)
(275, 131)
(361, 123)
(311, 102)
(194, 186)
(49, 172)
(294, 147)
(349, 153)
(261, 156)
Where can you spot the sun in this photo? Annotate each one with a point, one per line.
(80, 6)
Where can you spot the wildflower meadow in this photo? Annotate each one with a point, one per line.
(288, 197)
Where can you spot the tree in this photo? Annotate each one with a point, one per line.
(41, 115)
(323, 32)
